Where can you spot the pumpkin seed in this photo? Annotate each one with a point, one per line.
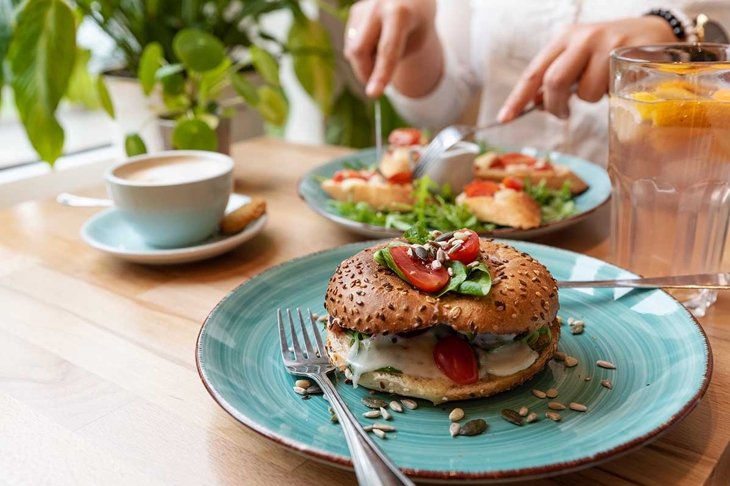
(454, 429)
(372, 414)
(373, 402)
(559, 356)
(606, 364)
(523, 411)
(302, 384)
(555, 417)
(379, 433)
(473, 427)
(607, 384)
(551, 393)
(531, 417)
(456, 415)
(570, 361)
(539, 393)
(511, 416)
(396, 406)
(409, 404)
(385, 414)
(556, 406)
(578, 407)
(384, 427)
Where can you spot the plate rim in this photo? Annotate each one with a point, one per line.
(526, 473)
(507, 233)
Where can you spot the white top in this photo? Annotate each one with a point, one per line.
(487, 45)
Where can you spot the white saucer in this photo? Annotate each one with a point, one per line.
(109, 233)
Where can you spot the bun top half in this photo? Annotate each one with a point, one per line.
(364, 296)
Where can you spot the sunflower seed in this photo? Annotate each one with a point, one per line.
(368, 428)
(473, 427)
(606, 364)
(523, 411)
(570, 320)
(385, 414)
(456, 415)
(314, 390)
(555, 417)
(421, 252)
(300, 390)
(454, 429)
(607, 384)
(587, 378)
(373, 402)
(409, 404)
(396, 406)
(578, 407)
(372, 414)
(570, 361)
(461, 235)
(556, 406)
(334, 419)
(531, 417)
(473, 264)
(384, 427)
(435, 265)
(302, 384)
(409, 252)
(445, 236)
(441, 256)
(379, 433)
(551, 393)
(559, 356)
(576, 328)
(539, 393)
(511, 416)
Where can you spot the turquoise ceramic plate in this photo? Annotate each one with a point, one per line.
(597, 195)
(662, 357)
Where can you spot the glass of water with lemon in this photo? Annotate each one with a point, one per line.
(669, 161)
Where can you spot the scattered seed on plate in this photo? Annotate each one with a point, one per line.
(372, 414)
(531, 417)
(379, 433)
(570, 361)
(456, 415)
(551, 393)
(473, 427)
(385, 414)
(576, 328)
(396, 406)
(334, 419)
(511, 416)
(373, 402)
(539, 393)
(570, 320)
(368, 428)
(555, 417)
(559, 356)
(606, 364)
(384, 427)
(454, 429)
(302, 384)
(300, 390)
(556, 406)
(587, 378)
(409, 404)
(313, 390)
(578, 407)
(607, 384)
(523, 411)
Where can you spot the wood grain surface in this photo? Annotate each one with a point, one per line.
(97, 374)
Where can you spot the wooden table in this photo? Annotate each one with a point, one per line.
(98, 383)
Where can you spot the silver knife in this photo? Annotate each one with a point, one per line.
(718, 281)
(378, 131)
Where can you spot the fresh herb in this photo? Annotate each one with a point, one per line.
(384, 258)
(390, 369)
(478, 282)
(417, 234)
(555, 204)
(355, 336)
(533, 337)
(356, 165)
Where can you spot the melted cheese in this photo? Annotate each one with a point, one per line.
(507, 359)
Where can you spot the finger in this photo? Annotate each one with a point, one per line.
(594, 81)
(361, 39)
(528, 86)
(390, 50)
(560, 77)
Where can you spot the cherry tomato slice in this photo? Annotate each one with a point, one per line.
(341, 175)
(418, 272)
(512, 183)
(405, 137)
(456, 359)
(479, 187)
(401, 178)
(515, 158)
(469, 250)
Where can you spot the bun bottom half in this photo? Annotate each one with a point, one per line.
(440, 390)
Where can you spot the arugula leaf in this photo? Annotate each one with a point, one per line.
(555, 204)
(459, 275)
(417, 233)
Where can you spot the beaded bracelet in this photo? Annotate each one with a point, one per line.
(682, 28)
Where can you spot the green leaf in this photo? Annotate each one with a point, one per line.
(104, 98)
(314, 65)
(198, 50)
(149, 63)
(81, 87)
(41, 57)
(7, 17)
(194, 134)
(349, 122)
(272, 105)
(459, 276)
(173, 84)
(383, 256)
(245, 89)
(134, 145)
(478, 283)
(169, 70)
(418, 234)
(265, 64)
(212, 82)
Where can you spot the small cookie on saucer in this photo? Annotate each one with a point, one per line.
(237, 220)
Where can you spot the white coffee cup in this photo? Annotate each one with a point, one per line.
(174, 198)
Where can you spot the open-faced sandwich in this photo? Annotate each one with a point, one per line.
(496, 166)
(504, 204)
(441, 316)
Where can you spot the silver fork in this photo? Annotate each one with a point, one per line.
(372, 467)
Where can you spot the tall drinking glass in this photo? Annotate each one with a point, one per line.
(669, 161)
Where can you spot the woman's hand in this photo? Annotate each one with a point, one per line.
(394, 40)
(578, 59)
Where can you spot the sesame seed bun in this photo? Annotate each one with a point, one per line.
(440, 390)
(366, 297)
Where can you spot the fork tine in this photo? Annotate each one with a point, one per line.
(285, 354)
(316, 331)
(305, 335)
(295, 341)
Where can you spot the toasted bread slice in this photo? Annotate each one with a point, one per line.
(506, 208)
(554, 176)
(380, 195)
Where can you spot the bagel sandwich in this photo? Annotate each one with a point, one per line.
(441, 320)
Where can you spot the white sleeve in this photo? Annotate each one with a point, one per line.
(598, 10)
(457, 85)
